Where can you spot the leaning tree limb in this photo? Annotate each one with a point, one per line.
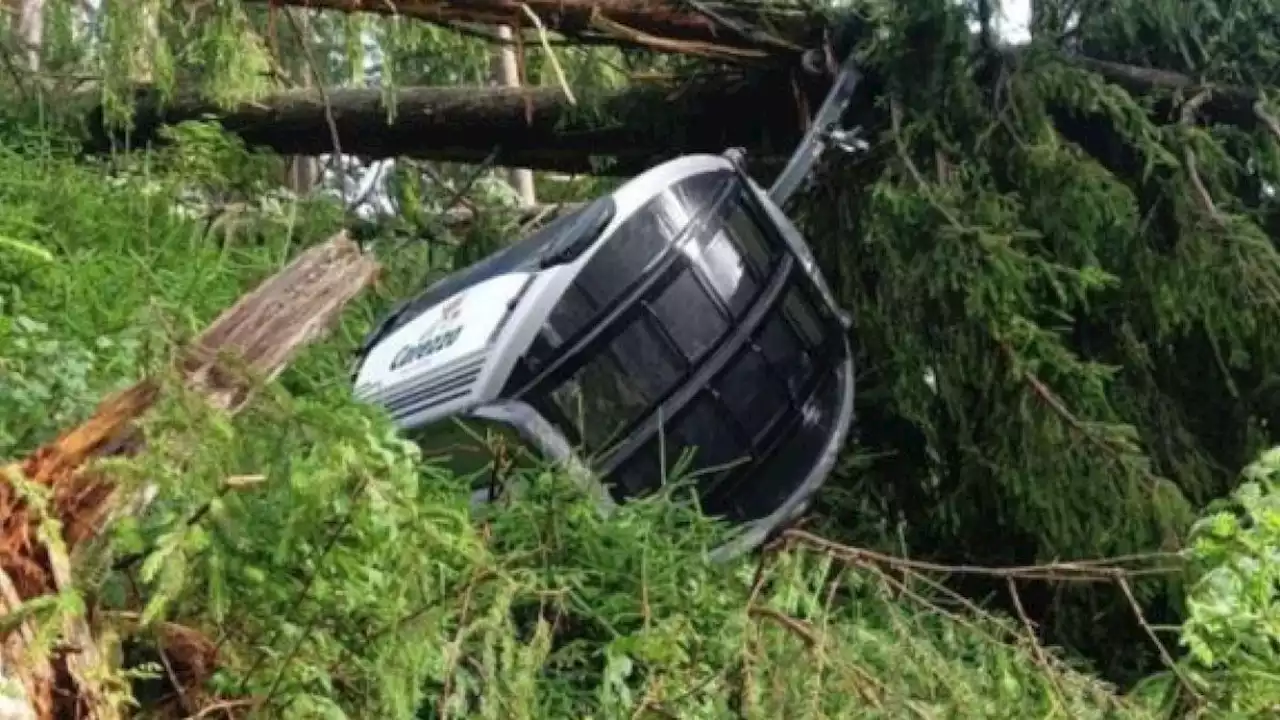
(1214, 103)
(251, 341)
(520, 127)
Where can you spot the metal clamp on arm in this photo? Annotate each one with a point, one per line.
(823, 132)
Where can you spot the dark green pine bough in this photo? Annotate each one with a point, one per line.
(1091, 280)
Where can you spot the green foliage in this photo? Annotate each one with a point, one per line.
(1233, 626)
(1088, 282)
(49, 380)
(135, 269)
(1098, 336)
(342, 578)
(312, 575)
(609, 616)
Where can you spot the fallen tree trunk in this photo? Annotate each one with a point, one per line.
(519, 127)
(251, 341)
(618, 133)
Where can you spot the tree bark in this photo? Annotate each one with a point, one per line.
(144, 53)
(302, 172)
(506, 73)
(516, 127)
(29, 27)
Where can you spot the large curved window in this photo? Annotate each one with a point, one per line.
(631, 251)
(700, 285)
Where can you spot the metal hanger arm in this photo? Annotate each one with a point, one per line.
(820, 133)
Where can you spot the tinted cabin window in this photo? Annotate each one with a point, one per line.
(753, 421)
(702, 283)
(598, 401)
(616, 384)
(485, 452)
(631, 252)
(690, 316)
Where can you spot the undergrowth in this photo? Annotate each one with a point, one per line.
(311, 555)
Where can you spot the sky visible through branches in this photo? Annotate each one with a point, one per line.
(1015, 21)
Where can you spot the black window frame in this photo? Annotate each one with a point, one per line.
(779, 280)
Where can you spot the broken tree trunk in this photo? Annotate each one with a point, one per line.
(516, 127)
(250, 342)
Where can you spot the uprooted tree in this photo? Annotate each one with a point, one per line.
(1073, 239)
(56, 505)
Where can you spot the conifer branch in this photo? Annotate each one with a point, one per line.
(1085, 571)
(1042, 659)
(1268, 121)
(1228, 104)
(1165, 657)
(1189, 159)
(1078, 426)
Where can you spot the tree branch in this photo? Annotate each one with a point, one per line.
(714, 29)
(1227, 104)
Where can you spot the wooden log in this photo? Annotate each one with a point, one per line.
(536, 128)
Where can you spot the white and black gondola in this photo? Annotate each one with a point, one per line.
(684, 310)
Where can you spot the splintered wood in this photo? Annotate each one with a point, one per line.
(251, 342)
